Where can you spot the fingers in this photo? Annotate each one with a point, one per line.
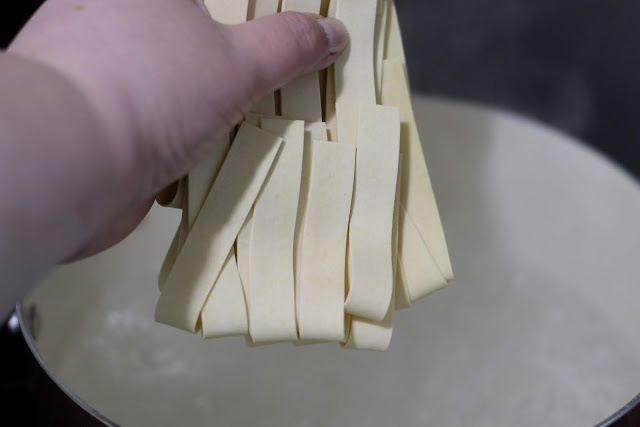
(276, 49)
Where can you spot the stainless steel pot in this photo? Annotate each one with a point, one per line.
(540, 326)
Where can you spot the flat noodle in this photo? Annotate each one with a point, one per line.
(169, 260)
(322, 277)
(271, 287)
(417, 193)
(176, 245)
(243, 243)
(331, 10)
(225, 311)
(403, 300)
(214, 231)
(286, 236)
(228, 12)
(330, 88)
(300, 99)
(421, 273)
(312, 131)
(394, 48)
(201, 177)
(255, 119)
(365, 334)
(355, 82)
(371, 273)
(330, 105)
(258, 9)
(370, 335)
(305, 6)
(318, 132)
(380, 43)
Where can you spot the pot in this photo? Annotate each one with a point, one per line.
(539, 327)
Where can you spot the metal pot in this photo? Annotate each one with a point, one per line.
(540, 326)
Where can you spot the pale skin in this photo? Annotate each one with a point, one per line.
(104, 102)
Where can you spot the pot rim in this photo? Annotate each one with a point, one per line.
(28, 337)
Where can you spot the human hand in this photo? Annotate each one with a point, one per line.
(166, 80)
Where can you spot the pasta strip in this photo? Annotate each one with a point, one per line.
(214, 231)
(258, 9)
(271, 287)
(300, 98)
(355, 82)
(228, 12)
(225, 311)
(201, 177)
(421, 273)
(394, 48)
(365, 334)
(371, 273)
(380, 43)
(322, 275)
(417, 195)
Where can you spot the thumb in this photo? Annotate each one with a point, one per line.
(276, 49)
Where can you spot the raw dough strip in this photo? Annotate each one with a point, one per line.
(371, 273)
(402, 298)
(172, 195)
(228, 12)
(317, 129)
(322, 277)
(176, 244)
(417, 194)
(225, 311)
(214, 231)
(331, 11)
(421, 273)
(272, 311)
(313, 131)
(355, 82)
(255, 119)
(330, 105)
(394, 48)
(330, 88)
(258, 9)
(300, 98)
(243, 243)
(365, 334)
(370, 335)
(169, 260)
(380, 43)
(201, 177)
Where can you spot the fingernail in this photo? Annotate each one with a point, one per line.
(336, 34)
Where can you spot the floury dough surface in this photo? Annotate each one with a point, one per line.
(538, 327)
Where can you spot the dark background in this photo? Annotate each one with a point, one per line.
(573, 64)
